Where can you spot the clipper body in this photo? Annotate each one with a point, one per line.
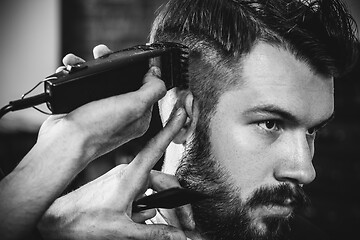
(116, 73)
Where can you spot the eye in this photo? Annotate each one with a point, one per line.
(269, 125)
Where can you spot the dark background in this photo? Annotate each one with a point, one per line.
(123, 23)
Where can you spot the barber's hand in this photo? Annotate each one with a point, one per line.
(102, 209)
(101, 126)
(180, 217)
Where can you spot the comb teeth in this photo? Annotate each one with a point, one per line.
(184, 67)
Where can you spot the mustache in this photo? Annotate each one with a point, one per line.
(283, 195)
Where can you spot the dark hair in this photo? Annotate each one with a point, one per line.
(218, 32)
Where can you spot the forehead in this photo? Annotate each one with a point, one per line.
(272, 75)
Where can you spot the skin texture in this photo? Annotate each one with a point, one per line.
(103, 208)
(258, 146)
(65, 145)
(263, 130)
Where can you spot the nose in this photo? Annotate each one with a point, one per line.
(295, 163)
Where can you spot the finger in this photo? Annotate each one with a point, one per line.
(142, 216)
(60, 69)
(185, 217)
(146, 159)
(141, 100)
(71, 59)
(156, 231)
(160, 181)
(153, 88)
(138, 170)
(182, 216)
(170, 217)
(117, 170)
(101, 50)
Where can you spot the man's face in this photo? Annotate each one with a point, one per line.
(261, 136)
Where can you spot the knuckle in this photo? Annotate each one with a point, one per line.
(142, 126)
(154, 87)
(160, 84)
(138, 106)
(120, 168)
(166, 233)
(130, 107)
(160, 88)
(141, 110)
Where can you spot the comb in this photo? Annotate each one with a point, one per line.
(170, 198)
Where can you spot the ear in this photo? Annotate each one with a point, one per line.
(186, 100)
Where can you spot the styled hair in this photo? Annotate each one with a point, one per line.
(321, 33)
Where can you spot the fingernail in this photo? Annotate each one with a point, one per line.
(156, 71)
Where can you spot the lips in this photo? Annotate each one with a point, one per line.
(276, 210)
(273, 210)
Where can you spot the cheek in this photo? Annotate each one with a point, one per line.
(244, 156)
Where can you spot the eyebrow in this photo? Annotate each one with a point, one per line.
(275, 110)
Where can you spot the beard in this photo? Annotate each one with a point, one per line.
(224, 215)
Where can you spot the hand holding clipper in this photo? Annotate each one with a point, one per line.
(109, 75)
(115, 73)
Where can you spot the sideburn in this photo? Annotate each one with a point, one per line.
(199, 171)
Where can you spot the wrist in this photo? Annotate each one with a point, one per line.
(64, 142)
(40, 177)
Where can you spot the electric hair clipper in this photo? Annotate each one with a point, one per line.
(115, 73)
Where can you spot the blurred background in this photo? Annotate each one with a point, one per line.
(36, 34)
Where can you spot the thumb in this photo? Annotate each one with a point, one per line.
(156, 232)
